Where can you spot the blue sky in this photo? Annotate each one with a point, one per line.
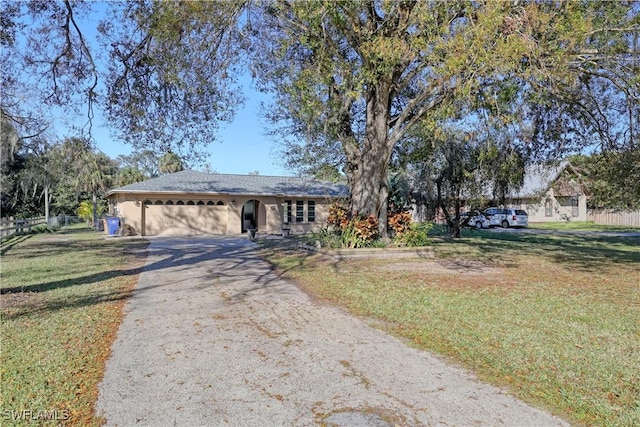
(242, 146)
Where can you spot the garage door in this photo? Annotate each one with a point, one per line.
(171, 218)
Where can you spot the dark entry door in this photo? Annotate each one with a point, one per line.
(249, 215)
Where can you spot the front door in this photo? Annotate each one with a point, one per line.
(249, 215)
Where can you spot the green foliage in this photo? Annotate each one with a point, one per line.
(350, 80)
(327, 238)
(85, 211)
(170, 163)
(417, 234)
(182, 60)
(128, 175)
(144, 161)
(611, 179)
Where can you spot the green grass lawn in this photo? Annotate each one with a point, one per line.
(61, 305)
(580, 226)
(556, 319)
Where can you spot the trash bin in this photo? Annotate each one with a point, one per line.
(113, 223)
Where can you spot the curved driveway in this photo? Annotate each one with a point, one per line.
(212, 336)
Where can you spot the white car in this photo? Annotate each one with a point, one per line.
(477, 220)
(507, 217)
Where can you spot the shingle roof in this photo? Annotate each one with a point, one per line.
(190, 181)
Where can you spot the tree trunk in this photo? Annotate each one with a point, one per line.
(46, 204)
(456, 220)
(95, 210)
(367, 163)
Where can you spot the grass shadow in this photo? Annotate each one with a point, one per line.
(587, 253)
(9, 243)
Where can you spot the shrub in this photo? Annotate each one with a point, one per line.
(338, 216)
(327, 239)
(400, 222)
(360, 231)
(85, 211)
(416, 235)
(354, 231)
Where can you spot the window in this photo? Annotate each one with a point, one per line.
(548, 208)
(311, 211)
(200, 203)
(158, 202)
(180, 202)
(574, 207)
(299, 211)
(220, 203)
(146, 202)
(169, 202)
(190, 202)
(210, 203)
(287, 211)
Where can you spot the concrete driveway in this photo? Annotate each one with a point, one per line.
(211, 336)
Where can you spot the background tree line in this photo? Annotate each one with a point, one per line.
(42, 178)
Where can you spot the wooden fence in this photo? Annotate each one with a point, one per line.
(10, 226)
(614, 217)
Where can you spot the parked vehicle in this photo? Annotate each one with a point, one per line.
(477, 219)
(509, 217)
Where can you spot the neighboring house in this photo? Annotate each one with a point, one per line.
(191, 203)
(551, 194)
(548, 194)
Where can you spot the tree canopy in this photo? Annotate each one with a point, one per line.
(351, 79)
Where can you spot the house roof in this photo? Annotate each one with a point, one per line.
(538, 178)
(190, 181)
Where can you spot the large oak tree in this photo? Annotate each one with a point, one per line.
(358, 76)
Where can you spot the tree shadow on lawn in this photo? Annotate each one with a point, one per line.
(58, 246)
(587, 253)
(10, 242)
(23, 304)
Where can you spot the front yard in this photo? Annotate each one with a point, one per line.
(61, 305)
(556, 319)
(581, 226)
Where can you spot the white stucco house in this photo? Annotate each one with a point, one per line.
(550, 193)
(191, 203)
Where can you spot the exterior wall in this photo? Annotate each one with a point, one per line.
(552, 208)
(185, 220)
(149, 214)
(305, 226)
